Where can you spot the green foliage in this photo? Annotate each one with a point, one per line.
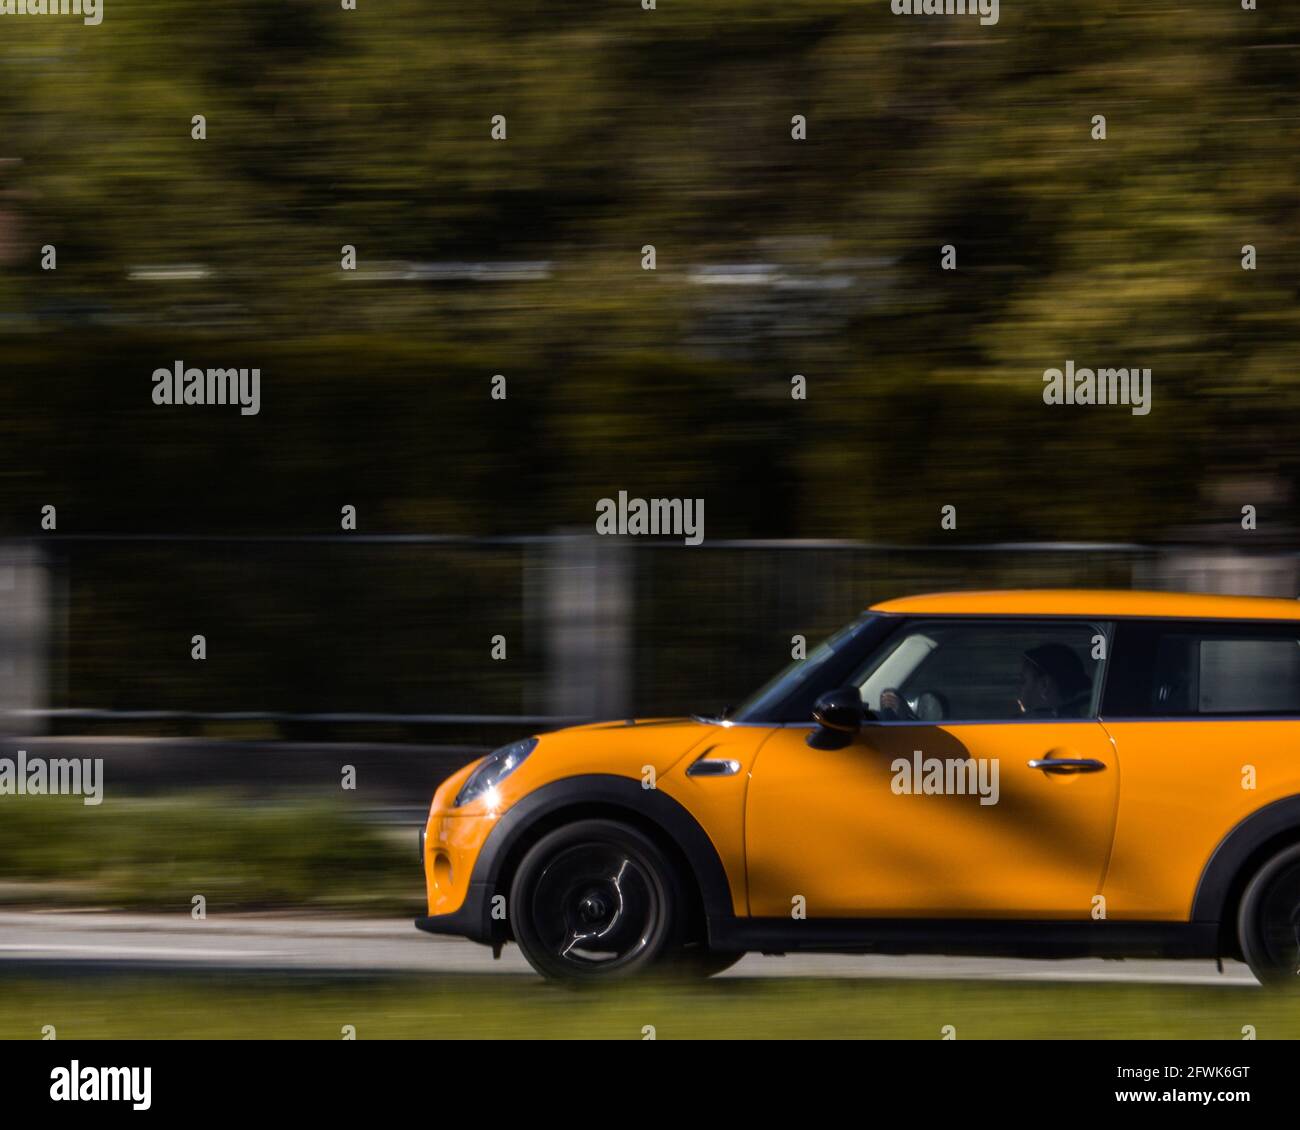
(238, 853)
(672, 128)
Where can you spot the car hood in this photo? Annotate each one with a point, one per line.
(625, 747)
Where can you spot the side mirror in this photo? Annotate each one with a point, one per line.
(840, 715)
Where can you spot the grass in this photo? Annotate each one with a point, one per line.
(265, 1006)
(240, 854)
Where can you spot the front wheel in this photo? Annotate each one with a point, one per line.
(1269, 921)
(595, 900)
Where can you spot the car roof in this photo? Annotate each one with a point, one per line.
(1092, 602)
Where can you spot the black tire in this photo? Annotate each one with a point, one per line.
(596, 901)
(1268, 924)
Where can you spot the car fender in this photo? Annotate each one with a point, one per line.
(1226, 861)
(607, 791)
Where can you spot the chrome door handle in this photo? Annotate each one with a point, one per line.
(1067, 764)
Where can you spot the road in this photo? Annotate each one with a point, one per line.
(373, 946)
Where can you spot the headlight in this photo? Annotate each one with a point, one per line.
(493, 769)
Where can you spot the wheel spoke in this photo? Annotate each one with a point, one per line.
(598, 904)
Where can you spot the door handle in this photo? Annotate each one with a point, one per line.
(1067, 764)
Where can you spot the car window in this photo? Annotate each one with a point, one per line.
(1237, 676)
(985, 671)
(789, 696)
(1172, 669)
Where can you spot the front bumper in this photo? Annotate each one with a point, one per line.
(472, 920)
(458, 877)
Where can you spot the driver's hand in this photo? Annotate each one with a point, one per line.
(892, 701)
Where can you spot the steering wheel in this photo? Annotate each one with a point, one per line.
(926, 706)
(901, 712)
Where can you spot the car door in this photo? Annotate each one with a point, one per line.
(958, 805)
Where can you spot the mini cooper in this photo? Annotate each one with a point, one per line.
(1038, 774)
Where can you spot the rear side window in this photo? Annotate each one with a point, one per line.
(1184, 669)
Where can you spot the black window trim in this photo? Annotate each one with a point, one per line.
(1191, 621)
(891, 621)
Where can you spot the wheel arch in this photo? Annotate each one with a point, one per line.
(606, 796)
(1238, 856)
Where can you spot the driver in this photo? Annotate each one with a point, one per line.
(1053, 684)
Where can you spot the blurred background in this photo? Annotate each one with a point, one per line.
(523, 257)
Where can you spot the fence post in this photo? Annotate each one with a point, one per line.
(1220, 570)
(588, 608)
(25, 594)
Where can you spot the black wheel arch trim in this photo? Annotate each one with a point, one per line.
(600, 790)
(1215, 887)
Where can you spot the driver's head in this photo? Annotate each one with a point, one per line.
(1051, 674)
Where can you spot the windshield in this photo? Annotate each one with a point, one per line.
(782, 699)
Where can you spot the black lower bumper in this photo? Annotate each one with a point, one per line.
(473, 920)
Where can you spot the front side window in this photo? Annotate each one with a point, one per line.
(1181, 669)
(980, 670)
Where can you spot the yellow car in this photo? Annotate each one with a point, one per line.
(1052, 773)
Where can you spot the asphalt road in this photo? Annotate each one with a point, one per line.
(366, 946)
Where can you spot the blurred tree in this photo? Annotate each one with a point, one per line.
(629, 127)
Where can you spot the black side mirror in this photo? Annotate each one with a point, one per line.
(839, 715)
